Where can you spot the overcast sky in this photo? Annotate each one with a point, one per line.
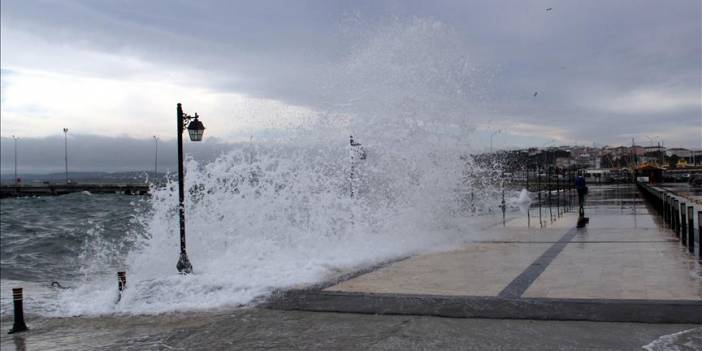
(112, 71)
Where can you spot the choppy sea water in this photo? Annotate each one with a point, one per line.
(63, 239)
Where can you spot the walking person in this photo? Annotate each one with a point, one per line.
(581, 187)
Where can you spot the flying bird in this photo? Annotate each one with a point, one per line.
(536, 93)
(549, 9)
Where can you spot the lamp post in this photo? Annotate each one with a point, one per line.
(155, 156)
(65, 150)
(492, 135)
(14, 139)
(195, 130)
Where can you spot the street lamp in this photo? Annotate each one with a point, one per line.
(195, 131)
(65, 150)
(493, 134)
(14, 138)
(155, 156)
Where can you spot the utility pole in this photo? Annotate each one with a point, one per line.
(15, 141)
(65, 150)
(492, 135)
(155, 156)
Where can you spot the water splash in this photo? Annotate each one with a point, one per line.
(303, 208)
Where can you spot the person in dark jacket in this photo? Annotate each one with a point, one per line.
(581, 187)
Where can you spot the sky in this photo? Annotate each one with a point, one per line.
(583, 72)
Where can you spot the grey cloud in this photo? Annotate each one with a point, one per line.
(290, 51)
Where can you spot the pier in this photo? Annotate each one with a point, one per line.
(627, 265)
(63, 189)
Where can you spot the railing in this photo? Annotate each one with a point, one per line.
(678, 215)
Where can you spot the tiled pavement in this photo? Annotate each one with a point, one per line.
(623, 255)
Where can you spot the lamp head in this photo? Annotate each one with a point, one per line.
(196, 129)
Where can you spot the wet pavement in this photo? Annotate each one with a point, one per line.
(257, 329)
(624, 266)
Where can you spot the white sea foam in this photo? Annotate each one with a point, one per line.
(690, 339)
(274, 215)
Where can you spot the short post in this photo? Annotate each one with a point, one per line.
(17, 299)
(690, 230)
(683, 224)
(121, 283)
(699, 235)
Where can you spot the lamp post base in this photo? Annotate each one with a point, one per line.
(184, 266)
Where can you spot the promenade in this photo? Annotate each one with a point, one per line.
(625, 266)
(522, 284)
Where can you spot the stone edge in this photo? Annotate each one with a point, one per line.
(601, 310)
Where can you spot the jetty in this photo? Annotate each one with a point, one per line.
(633, 262)
(63, 189)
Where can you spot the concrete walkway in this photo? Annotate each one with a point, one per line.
(624, 266)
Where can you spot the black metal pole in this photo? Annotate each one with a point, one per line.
(155, 156)
(503, 205)
(183, 265)
(528, 207)
(558, 193)
(538, 190)
(550, 207)
(683, 224)
(19, 325)
(15, 141)
(690, 230)
(65, 150)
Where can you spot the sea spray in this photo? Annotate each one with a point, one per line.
(298, 210)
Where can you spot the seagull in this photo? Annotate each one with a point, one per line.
(549, 9)
(536, 93)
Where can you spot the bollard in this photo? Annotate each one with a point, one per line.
(690, 230)
(683, 224)
(19, 325)
(699, 235)
(121, 284)
(121, 281)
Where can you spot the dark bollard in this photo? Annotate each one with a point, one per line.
(683, 224)
(121, 281)
(121, 284)
(690, 230)
(699, 235)
(19, 325)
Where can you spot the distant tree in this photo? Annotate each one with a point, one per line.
(673, 161)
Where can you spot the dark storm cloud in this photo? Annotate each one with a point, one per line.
(602, 69)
